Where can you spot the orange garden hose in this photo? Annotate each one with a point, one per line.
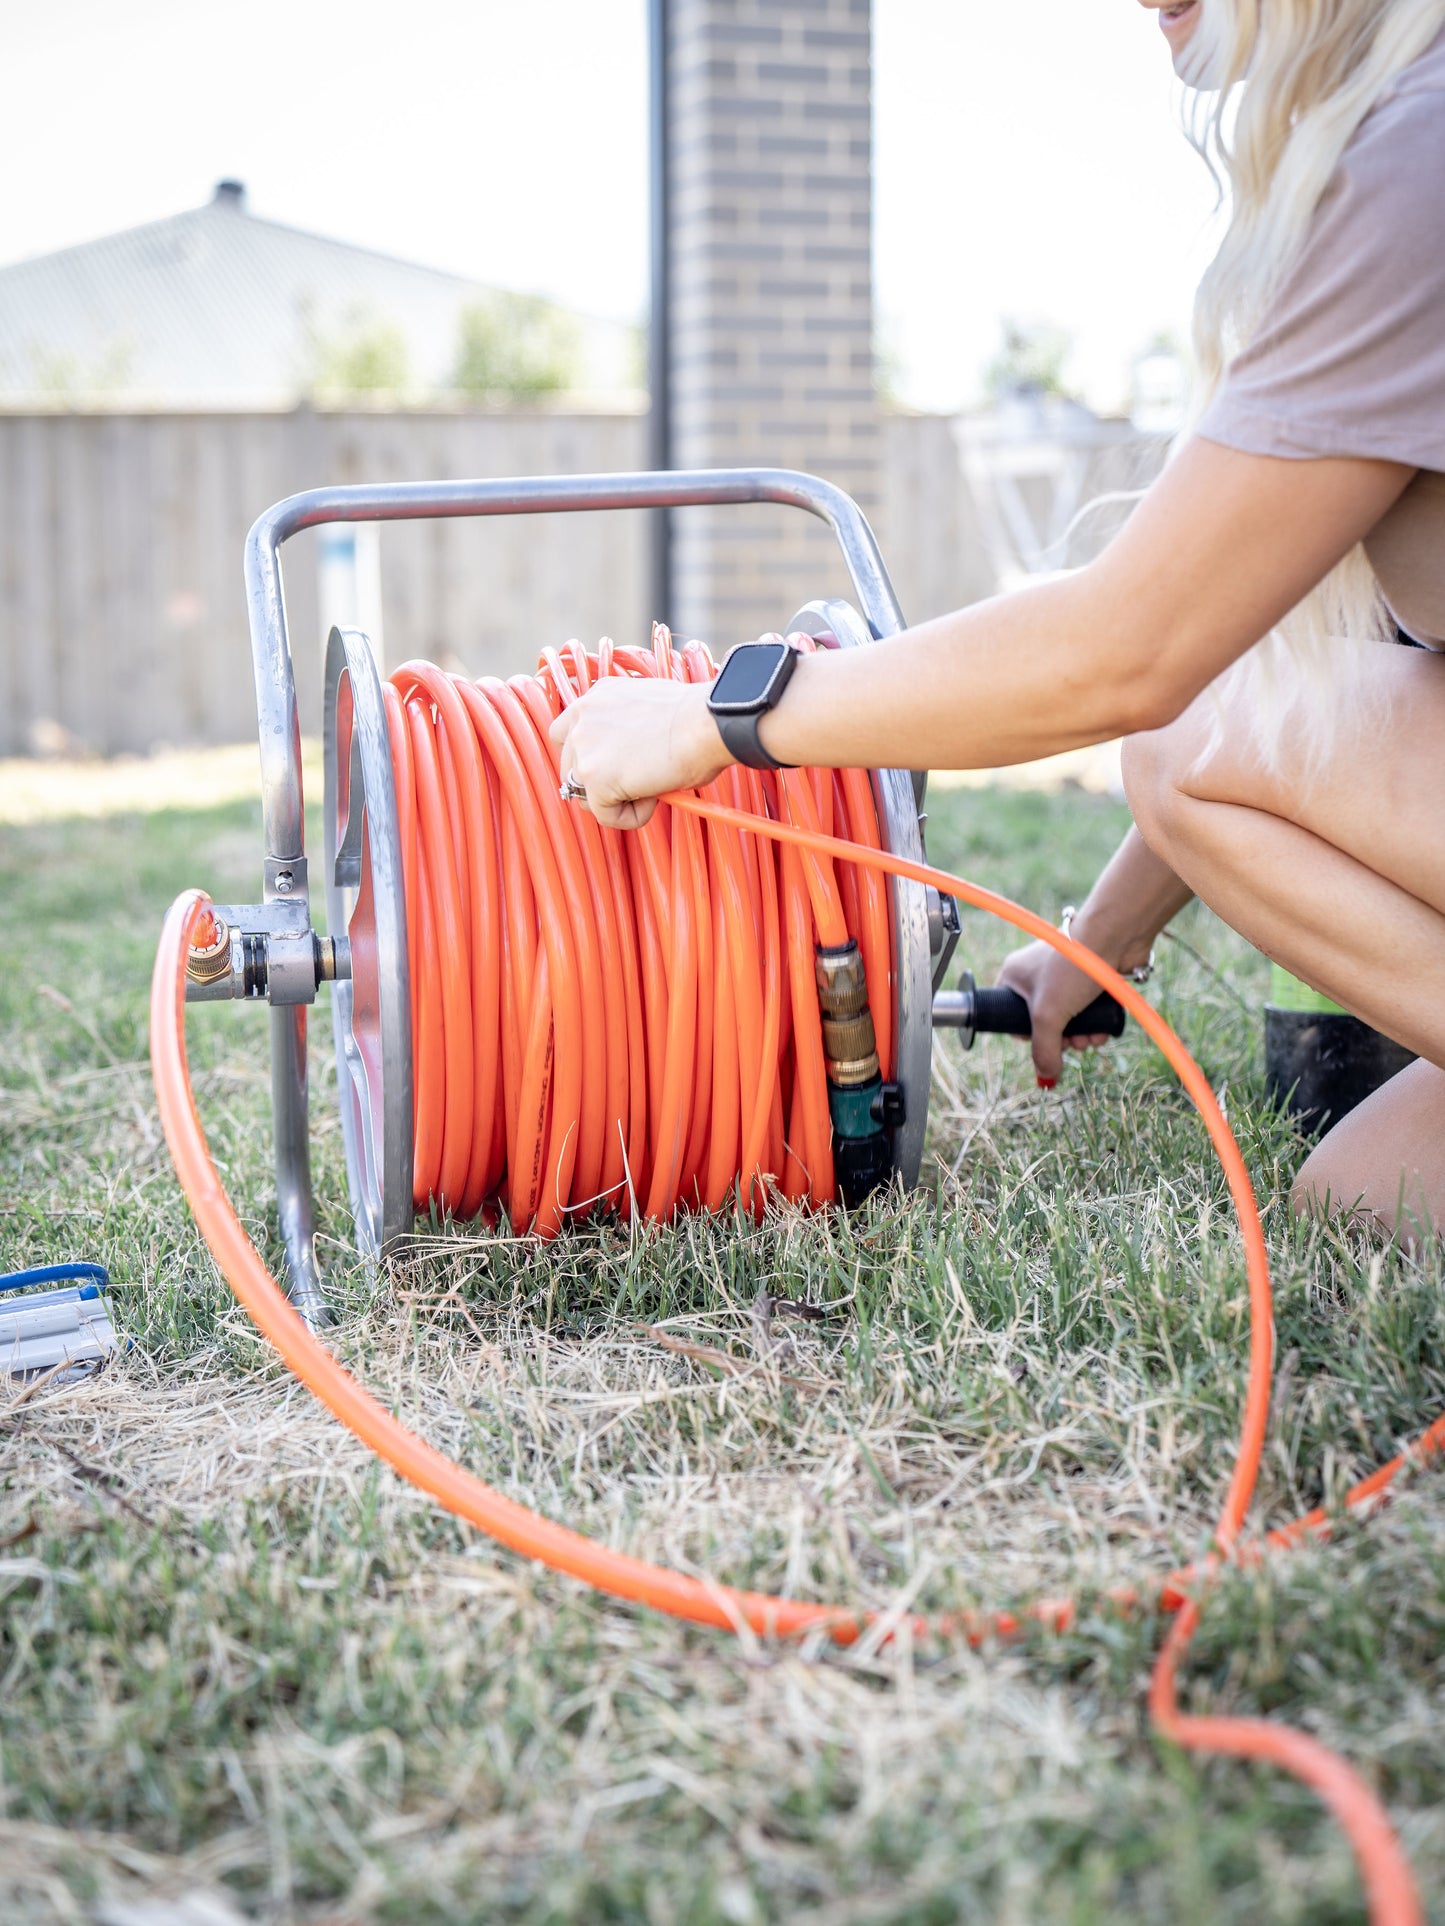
(704, 1061)
(538, 1103)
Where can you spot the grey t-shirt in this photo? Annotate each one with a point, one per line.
(1350, 359)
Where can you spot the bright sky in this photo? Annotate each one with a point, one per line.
(1028, 162)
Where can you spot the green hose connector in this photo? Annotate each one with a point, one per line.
(852, 1110)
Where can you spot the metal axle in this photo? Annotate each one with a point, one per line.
(248, 963)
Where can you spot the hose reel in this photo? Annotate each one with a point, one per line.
(271, 951)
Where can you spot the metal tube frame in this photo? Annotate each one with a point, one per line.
(279, 727)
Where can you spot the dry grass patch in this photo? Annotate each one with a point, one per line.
(240, 1657)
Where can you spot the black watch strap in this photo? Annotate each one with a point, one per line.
(749, 686)
(742, 742)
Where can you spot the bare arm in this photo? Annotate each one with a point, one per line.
(1222, 546)
(1136, 895)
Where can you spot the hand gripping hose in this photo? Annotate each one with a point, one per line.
(1389, 1886)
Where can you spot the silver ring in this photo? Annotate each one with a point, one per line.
(571, 790)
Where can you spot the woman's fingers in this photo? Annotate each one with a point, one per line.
(626, 815)
(630, 740)
(1025, 973)
(1046, 1046)
(1055, 991)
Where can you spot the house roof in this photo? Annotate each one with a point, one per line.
(218, 308)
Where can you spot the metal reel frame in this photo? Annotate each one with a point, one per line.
(371, 1019)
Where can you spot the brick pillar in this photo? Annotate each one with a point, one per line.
(770, 287)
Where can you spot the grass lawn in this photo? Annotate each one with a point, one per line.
(238, 1657)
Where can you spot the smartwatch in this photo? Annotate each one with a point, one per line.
(751, 683)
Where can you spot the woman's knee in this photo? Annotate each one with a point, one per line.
(1154, 765)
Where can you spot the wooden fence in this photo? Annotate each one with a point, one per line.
(122, 613)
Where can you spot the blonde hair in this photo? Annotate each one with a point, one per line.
(1280, 88)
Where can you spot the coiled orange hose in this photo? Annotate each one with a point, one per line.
(703, 1061)
(464, 1165)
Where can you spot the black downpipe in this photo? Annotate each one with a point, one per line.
(659, 358)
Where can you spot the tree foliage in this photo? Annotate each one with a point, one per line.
(518, 346)
(365, 356)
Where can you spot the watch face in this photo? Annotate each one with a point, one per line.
(748, 677)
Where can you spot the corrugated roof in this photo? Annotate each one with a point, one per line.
(215, 307)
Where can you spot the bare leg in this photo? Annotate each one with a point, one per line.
(1386, 1159)
(1337, 871)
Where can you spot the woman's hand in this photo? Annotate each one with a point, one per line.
(1054, 991)
(630, 739)
(1132, 901)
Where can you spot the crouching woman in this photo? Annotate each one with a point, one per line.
(1285, 759)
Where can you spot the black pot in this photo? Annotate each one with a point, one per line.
(1320, 1064)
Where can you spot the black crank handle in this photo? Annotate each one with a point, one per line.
(1004, 1013)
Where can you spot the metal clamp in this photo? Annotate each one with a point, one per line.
(945, 926)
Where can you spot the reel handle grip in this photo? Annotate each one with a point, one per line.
(1005, 1013)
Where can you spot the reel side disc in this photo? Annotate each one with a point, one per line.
(365, 902)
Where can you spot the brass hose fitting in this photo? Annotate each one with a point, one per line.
(851, 1073)
(847, 1039)
(206, 963)
(850, 1044)
(842, 991)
